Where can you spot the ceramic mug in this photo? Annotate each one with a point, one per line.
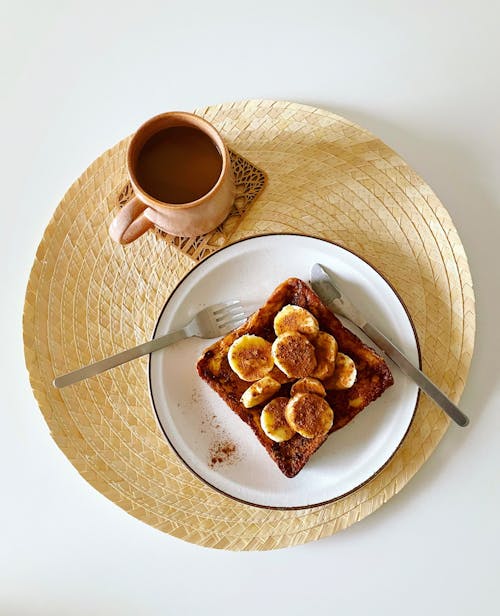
(145, 210)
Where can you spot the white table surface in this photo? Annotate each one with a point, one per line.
(76, 78)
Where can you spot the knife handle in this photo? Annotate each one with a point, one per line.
(417, 375)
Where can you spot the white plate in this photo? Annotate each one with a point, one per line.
(196, 421)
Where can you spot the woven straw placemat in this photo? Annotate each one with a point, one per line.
(88, 297)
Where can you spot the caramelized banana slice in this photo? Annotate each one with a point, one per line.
(259, 392)
(250, 357)
(344, 375)
(294, 354)
(279, 376)
(273, 421)
(295, 319)
(308, 385)
(326, 352)
(309, 415)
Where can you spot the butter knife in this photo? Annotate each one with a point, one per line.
(336, 300)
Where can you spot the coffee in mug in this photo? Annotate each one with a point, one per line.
(181, 174)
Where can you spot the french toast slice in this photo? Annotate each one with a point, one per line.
(373, 374)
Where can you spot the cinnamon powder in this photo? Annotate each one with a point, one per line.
(222, 452)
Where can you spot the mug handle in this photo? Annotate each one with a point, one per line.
(130, 222)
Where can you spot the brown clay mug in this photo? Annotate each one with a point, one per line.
(180, 170)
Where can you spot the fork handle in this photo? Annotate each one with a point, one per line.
(120, 358)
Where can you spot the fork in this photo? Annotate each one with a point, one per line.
(211, 322)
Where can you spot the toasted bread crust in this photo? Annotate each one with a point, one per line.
(373, 374)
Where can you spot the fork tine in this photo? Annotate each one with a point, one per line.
(231, 318)
(230, 325)
(235, 306)
(229, 313)
(217, 308)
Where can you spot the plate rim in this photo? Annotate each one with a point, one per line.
(242, 500)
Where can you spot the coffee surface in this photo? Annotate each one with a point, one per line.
(179, 164)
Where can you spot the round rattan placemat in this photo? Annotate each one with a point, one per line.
(88, 297)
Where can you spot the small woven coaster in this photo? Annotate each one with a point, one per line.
(249, 181)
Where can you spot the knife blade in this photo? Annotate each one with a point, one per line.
(331, 293)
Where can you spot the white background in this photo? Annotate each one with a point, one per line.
(76, 77)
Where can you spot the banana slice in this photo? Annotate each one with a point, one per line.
(273, 421)
(295, 319)
(308, 385)
(309, 415)
(259, 392)
(250, 357)
(294, 354)
(344, 375)
(326, 351)
(279, 376)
